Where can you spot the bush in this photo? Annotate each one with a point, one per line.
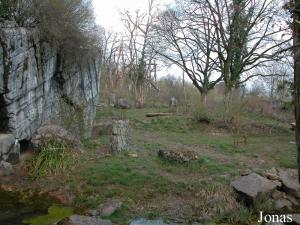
(52, 157)
(6, 7)
(202, 116)
(70, 24)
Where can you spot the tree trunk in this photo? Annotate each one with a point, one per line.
(120, 136)
(297, 79)
(204, 99)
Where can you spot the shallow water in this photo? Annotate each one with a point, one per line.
(15, 207)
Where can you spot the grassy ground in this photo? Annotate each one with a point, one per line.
(184, 192)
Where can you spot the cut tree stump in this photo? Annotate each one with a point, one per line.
(158, 114)
(120, 136)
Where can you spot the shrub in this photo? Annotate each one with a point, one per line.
(202, 116)
(52, 157)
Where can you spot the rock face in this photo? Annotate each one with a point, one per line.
(254, 185)
(38, 85)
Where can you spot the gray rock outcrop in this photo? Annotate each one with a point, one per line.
(39, 86)
(254, 185)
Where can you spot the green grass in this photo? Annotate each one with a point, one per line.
(143, 181)
(52, 157)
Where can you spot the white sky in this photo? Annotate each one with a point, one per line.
(107, 11)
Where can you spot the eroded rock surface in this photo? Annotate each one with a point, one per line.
(254, 185)
(39, 86)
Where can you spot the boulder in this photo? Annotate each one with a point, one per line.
(56, 132)
(85, 220)
(110, 207)
(6, 169)
(123, 103)
(9, 148)
(283, 204)
(289, 179)
(253, 186)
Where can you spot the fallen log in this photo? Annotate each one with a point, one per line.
(158, 114)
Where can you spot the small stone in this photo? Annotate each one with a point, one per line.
(272, 174)
(276, 195)
(6, 169)
(283, 204)
(289, 178)
(110, 207)
(93, 212)
(85, 220)
(293, 200)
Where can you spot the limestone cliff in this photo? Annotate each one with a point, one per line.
(37, 86)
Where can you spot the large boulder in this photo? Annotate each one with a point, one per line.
(85, 220)
(253, 186)
(9, 148)
(54, 132)
(289, 179)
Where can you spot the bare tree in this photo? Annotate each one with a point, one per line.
(138, 52)
(249, 34)
(187, 41)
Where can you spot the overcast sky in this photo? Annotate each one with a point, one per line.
(107, 11)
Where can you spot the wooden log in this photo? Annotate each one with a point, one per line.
(158, 114)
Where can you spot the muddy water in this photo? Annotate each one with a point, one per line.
(17, 206)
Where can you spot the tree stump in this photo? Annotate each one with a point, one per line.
(120, 136)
